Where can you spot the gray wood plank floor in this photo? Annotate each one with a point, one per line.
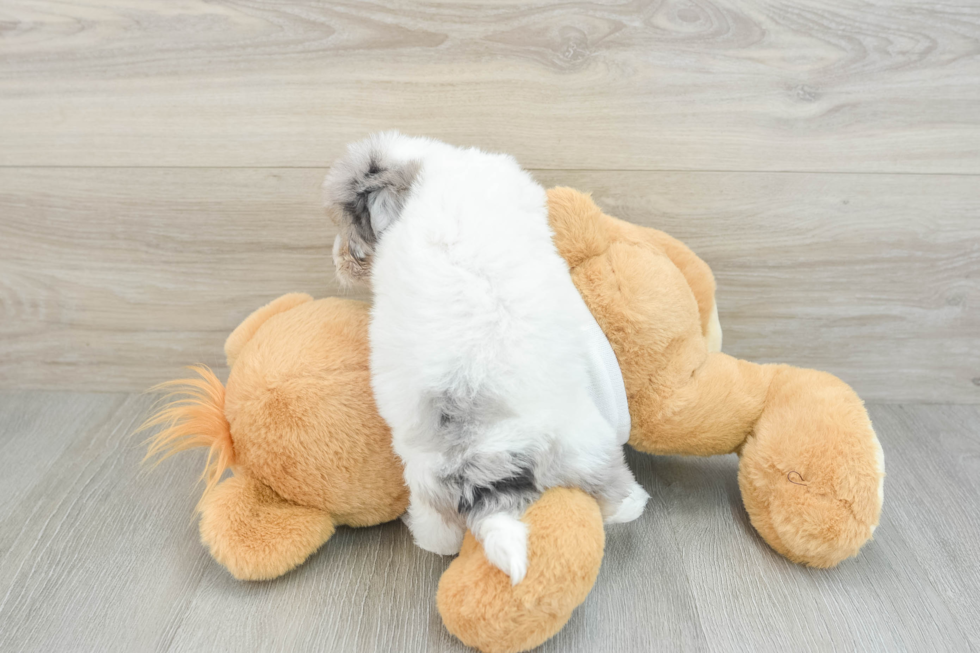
(99, 554)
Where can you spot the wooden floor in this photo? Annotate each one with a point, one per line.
(99, 555)
(160, 165)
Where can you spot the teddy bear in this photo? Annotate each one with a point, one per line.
(297, 424)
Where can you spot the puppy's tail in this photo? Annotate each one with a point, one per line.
(192, 414)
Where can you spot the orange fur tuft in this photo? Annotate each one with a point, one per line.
(193, 416)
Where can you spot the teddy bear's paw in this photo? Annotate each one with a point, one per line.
(630, 508)
(505, 545)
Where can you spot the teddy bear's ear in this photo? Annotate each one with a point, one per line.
(244, 331)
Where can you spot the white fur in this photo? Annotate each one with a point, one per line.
(504, 539)
(880, 465)
(631, 508)
(714, 335)
(472, 298)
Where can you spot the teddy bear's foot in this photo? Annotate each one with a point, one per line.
(479, 605)
(257, 534)
(812, 473)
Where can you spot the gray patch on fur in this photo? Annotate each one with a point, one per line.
(476, 484)
(461, 414)
(374, 198)
(489, 484)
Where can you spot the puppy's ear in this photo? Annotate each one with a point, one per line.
(367, 189)
(379, 196)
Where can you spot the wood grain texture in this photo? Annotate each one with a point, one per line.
(827, 85)
(875, 278)
(98, 554)
(114, 279)
(905, 590)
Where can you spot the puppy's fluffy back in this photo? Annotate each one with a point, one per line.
(471, 295)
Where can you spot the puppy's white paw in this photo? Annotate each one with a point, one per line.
(505, 545)
(432, 532)
(630, 508)
(445, 542)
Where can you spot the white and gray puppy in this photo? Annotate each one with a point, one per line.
(476, 342)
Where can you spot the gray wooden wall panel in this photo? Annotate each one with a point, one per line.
(116, 278)
(826, 85)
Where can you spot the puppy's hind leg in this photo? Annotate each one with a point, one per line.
(621, 498)
(432, 531)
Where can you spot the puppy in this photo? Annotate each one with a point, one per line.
(478, 342)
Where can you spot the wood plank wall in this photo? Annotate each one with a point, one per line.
(160, 164)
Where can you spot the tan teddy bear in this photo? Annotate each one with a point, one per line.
(298, 426)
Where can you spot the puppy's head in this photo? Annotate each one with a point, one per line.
(364, 193)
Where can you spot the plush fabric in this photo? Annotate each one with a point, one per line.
(811, 469)
(255, 533)
(565, 543)
(303, 419)
(298, 426)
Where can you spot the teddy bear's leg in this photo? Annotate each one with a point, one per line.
(481, 607)
(255, 533)
(713, 413)
(244, 331)
(811, 467)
